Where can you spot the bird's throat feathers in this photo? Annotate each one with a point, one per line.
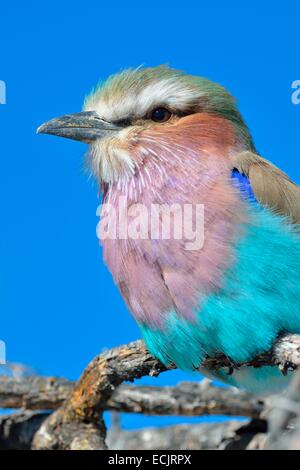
(186, 163)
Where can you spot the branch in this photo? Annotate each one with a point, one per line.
(76, 424)
(34, 392)
(285, 354)
(231, 435)
(284, 419)
(17, 431)
(187, 398)
(184, 399)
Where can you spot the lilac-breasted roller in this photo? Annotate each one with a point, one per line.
(158, 136)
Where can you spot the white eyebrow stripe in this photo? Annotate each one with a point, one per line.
(168, 91)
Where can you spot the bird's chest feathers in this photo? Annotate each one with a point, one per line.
(174, 226)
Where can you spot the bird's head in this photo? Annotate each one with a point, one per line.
(136, 108)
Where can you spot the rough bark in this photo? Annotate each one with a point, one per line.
(78, 423)
(184, 399)
(284, 419)
(17, 431)
(285, 355)
(34, 392)
(230, 435)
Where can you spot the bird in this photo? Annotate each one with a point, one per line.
(158, 136)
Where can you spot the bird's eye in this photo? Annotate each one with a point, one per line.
(160, 115)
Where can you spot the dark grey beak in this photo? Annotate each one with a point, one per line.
(85, 127)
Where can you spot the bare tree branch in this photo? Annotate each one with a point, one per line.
(78, 423)
(231, 435)
(184, 399)
(285, 354)
(284, 419)
(18, 429)
(33, 392)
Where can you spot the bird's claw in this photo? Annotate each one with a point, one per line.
(286, 367)
(232, 366)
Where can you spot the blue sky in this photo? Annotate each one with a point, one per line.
(59, 306)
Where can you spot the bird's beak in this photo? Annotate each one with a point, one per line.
(85, 127)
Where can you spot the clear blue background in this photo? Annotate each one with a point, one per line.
(59, 306)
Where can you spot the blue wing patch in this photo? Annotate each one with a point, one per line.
(243, 183)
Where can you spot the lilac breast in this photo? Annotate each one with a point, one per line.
(187, 165)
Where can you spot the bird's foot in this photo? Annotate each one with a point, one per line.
(232, 367)
(286, 367)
